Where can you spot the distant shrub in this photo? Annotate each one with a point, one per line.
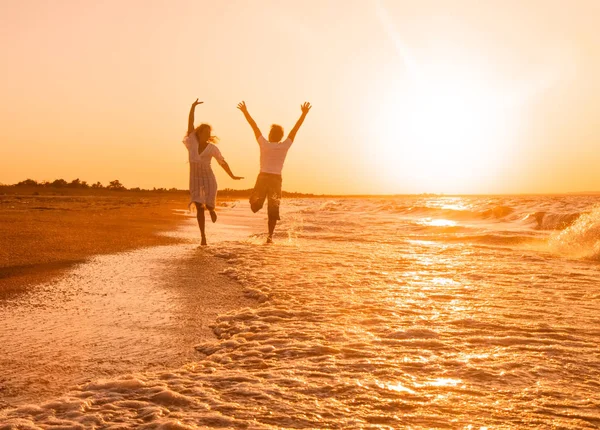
(28, 183)
(59, 183)
(75, 183)
(116, 185)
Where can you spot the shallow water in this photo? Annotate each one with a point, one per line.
(134, 311)
(384, 313)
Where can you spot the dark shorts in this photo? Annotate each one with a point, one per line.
(268, 186)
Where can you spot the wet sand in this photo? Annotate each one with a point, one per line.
(90, 317)
(117, 314)
(43, 235)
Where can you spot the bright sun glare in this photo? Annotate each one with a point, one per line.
(443, 130)
(442, 127)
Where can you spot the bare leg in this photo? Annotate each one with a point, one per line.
(272, 224)
(201, 223)
(213, 214)
(274, 199)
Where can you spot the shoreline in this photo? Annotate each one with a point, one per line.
(137, 311)
(44, 236)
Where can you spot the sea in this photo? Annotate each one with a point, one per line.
(420, 312)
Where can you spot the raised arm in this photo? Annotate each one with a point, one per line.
(305, 108)
(242, 106)
(225, 167)
(191, 117)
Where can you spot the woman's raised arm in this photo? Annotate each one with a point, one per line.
(191, 117)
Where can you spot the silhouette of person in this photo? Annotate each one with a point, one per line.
(272, 156)
(201, 147)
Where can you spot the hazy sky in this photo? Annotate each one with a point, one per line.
(499, 96)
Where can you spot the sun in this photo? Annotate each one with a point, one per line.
(450, 123)
(445, 125)
(441, 133)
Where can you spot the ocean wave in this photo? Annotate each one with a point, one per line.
(324, 206)
(536, 213)
(540, 218)
(581, 239)
(551, 221)
(495, 212)
(492, 239)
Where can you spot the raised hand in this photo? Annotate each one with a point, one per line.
(304, 107)
(191, 116)
(242, 106)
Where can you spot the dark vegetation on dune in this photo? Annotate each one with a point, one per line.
(116, 185)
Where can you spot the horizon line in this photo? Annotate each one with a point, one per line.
(350, 195)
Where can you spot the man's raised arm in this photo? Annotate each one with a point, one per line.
(305, 108)
(242, 106)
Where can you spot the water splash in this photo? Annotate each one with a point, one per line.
(581, 239)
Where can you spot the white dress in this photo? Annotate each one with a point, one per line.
(203, 184)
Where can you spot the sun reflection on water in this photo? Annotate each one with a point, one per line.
(396, 387)
(442, 382)
(439, 222)
(444, 281)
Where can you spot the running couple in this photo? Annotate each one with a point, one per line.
(201, 147)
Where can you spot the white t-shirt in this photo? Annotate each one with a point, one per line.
(272, 155)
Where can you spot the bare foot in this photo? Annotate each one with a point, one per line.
(270, 239)
(203, 243)
(213, 216)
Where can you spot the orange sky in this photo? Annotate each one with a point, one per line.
(409, 96)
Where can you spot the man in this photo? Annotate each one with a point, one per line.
(272, 156)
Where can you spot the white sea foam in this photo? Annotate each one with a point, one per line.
(581, 239)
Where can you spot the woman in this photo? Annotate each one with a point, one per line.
(203, 185)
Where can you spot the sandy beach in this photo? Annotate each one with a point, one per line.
(99, 286)
(43, 232)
